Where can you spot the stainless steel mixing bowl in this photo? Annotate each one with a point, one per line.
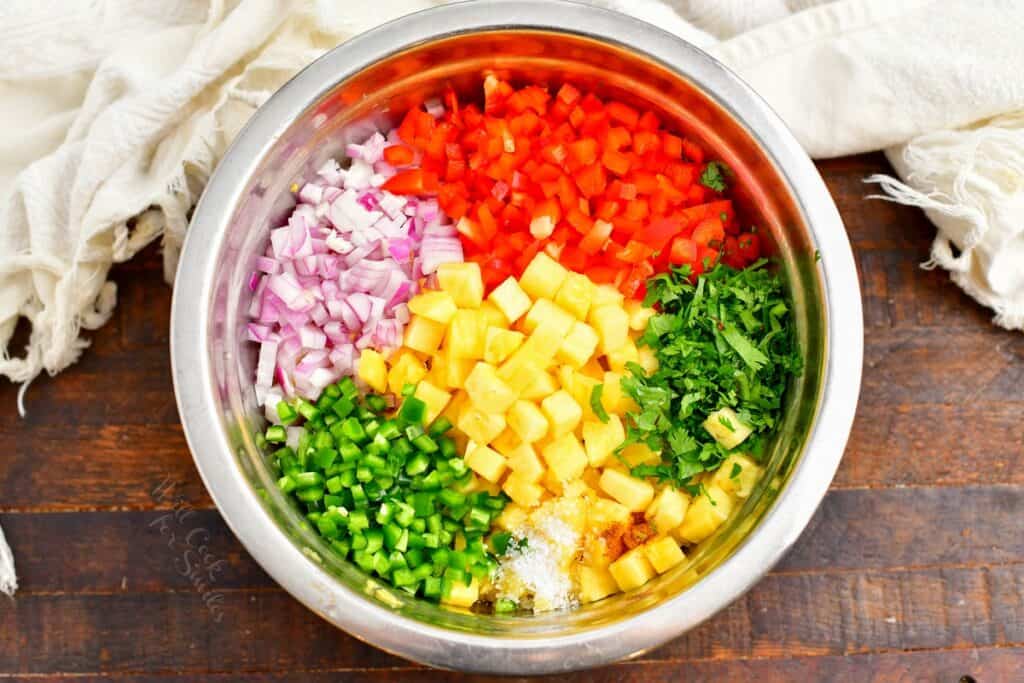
(369, 81)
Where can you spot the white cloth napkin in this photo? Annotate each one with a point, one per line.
(113, 114)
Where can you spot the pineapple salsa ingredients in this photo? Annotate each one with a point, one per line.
(550, 421)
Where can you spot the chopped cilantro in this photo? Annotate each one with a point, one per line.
(726, 422)
(736, 469)
(726, 340)
(595, 403)
(713, 176)
(724, 216)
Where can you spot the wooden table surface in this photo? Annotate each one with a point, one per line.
(913, 568)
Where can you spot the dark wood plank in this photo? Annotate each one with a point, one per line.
(784, 616)
(985, 665)
(115, 466)
(153, 551)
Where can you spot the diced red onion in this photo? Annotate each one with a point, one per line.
(312, 338)
(311, 193)
(336, 277)
(265, 364)
(434, 108)
(265, 264)
(359, 302)
(269, 399)
(435, 250)
(258, 332)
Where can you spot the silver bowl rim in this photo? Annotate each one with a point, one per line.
(375, 624)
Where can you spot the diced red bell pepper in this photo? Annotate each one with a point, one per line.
(412, 181)
(709, 231)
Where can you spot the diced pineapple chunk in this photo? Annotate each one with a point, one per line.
(596, 583)
(437, 375)
(522, 492)
(480, 426)
(667, 510)
(545, 341)
(566, 377)
(612, 326)
(510, 298)
(565, 457)
(632, 570)
(602, 438)
(499, 344)
(648, 359)
(542, 277)
(582, 387)
(521, 369)
(462, 595)
(406, 368)
(607, 294)
(545, 312)
(639, 454)
(523, 460)
(575, 295)
(466, 335)
(663, 554)
(457, 370)
(455, 406)
(613, 398)
(737, 475)
(463, 281)
(592, 477)
(562, 411)
(593, 369)
(492, 316)
(725, 425)
(543, 384)
(424, 335)
(512, 517)
(705, 515)
(373, 370)
(434, 305)
(579, 345)
(551, 482)
(506, 442)
(487, 391)
(627, 353)
(435, 398)
(527, 420)
(577, 488)
(636, 494)
(605, 512)
(485, 461)
(638, 314)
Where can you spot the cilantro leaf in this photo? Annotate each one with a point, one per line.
(595, 403)
(713, 176)
(750, 354)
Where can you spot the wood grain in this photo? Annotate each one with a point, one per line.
(982, 664)
(912, 569)
(784, 616)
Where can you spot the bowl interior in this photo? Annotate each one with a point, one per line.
(376, 96)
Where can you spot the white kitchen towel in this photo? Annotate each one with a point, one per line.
(113, 113)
